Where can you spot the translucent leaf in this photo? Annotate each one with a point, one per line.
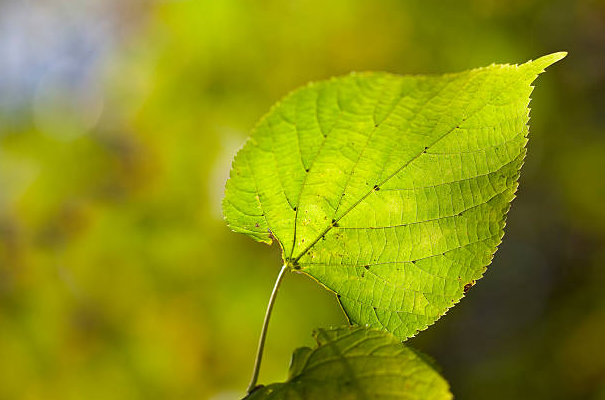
(391, 191)
(357, 363)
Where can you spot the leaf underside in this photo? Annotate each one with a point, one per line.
(391, 191)
(357, 363)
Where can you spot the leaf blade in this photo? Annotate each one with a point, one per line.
(358, 363)
(398, 201)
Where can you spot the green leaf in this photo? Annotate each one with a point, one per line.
(391, 191)
(358, 363)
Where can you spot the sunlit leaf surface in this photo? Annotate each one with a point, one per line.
(392, 191)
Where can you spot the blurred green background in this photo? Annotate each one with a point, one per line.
(118, 122)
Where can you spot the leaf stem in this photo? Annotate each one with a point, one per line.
(263, 334)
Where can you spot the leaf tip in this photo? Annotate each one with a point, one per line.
(558, 55)
(552, 58)
(548, 60)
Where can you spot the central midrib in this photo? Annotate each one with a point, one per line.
(336, 220)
